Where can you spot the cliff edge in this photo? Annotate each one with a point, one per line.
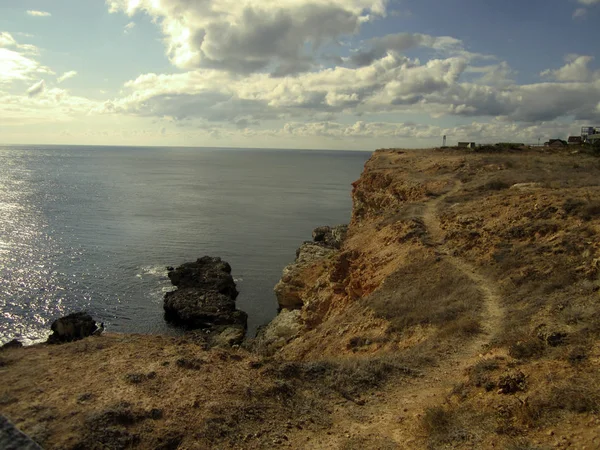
(459, 309)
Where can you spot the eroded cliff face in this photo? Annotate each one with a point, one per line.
(327, 285)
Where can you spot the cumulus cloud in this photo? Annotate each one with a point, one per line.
(579, 13)
(575, 69)
(6, 40)
(392, 84)
(16, 62)
(260, 36)
(67, 75)
(50, 105)
(38, 13)
(376, 48)
(36, 89)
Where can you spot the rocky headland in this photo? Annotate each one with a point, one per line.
(458, 309)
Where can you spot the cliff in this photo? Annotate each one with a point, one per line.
(460, 310)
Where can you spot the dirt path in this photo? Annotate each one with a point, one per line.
(493, 314)
(392, 419)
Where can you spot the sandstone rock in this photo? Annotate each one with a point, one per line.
(330, 237)
(229, 336)
(205, 298)
(327, 241)
(282, 329)
(72, 327)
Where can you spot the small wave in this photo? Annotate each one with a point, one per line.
(40, 338)
(155, 271)
(239, 279)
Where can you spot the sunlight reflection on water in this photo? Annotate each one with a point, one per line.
(93, 228)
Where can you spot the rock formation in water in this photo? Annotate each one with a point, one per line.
(72, 327)
(205, 299)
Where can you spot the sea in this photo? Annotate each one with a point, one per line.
(93, 228)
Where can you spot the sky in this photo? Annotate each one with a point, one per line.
(326, 74)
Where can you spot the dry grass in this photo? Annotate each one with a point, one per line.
(349, 377)
(428, 292)
(451, 428)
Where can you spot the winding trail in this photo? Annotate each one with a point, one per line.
(395, 414)
(493, 314)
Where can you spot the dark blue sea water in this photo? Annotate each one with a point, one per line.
(94, 227)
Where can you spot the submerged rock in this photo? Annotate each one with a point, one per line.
(72, 327)
(205, 298)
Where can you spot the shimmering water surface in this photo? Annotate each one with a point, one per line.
(94, 227)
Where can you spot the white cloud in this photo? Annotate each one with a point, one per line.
(576, 69)
(16, 62)
(38, 13)
(129, 27)
(6, 40)
(65, 76)
(48, 106)
(392, 84)
(36, 89)
(282, 37)
(581, 13)
(16, 66)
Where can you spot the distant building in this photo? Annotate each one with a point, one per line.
(593, 138)
(575, 140)
(556, 143)
(587, 131)
(467, 144)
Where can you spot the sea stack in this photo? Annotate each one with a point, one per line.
(205, 299)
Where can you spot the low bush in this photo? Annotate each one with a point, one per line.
(527, 348)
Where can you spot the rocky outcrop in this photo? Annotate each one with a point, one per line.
(326, 242)
(330, 237)
(72, 327)
(281, 330)
(205, 299)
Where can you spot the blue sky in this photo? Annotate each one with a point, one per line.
(347, 74)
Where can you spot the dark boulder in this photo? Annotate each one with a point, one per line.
(205, 297)
(12, 344)
(208, 274)
(198, 308)
(73, 327)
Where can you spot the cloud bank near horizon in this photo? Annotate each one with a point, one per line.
(299, 71)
